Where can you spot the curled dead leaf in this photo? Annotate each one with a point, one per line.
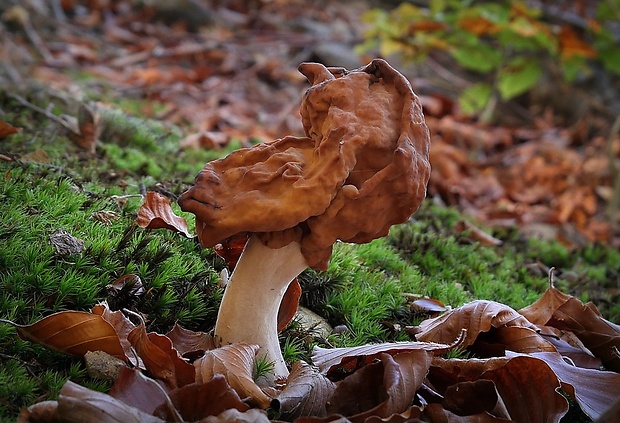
(160, 358)
(156, 212)
(306, 392)
(236, 363)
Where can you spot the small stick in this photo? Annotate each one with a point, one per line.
(21, 100)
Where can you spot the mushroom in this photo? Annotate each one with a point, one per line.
(362, 167)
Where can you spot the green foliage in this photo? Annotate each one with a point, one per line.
(507, 42)
(262, 367)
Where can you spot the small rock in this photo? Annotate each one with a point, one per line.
(65, 243)
(101, 365)
(312, 322)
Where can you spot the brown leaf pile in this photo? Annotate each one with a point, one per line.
(515, 366)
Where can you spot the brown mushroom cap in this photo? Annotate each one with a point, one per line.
(362, 168)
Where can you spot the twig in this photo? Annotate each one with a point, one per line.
(21, 100)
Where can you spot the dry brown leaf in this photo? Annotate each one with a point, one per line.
(77, 404)
(436, 413)
(289, 304)
(156, 213)
(339, 362)
(121, 325)
(520, 339)
(236, 363)
(567, 313)
(186, 341)
(428, 305)
(306, 392)
(594, 390)
(160, 358)
(600, 336)
(7, 129)
(74, 333)
(528, 388)
(477, 316)
(474, 397)
(383, 388)
(253, 415)
(198, 401)
(65, 243)
(139, 391)
(541, 311)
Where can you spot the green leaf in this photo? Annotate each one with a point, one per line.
(474, 98)
(519, 76)
(481, 58)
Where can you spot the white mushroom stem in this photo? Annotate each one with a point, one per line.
(249, 309)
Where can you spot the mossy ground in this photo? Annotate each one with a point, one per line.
(362, 289)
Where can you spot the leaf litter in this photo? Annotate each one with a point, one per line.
(499, 175)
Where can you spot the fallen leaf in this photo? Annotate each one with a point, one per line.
(477, 316)
(200, 400)
(428, 305)
(141, 392)
(186, 341)
(156, 213)
(339, 362)
(306, 392)
(528, 388)
(121, 325)
(7, 129)
(289, 304)
(236, 363)
(160, 358)
(77, 404)
(73, 333)
(253, 415)
(383, 388)
(594, 390)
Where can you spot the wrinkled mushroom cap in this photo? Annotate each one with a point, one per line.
(362, 167)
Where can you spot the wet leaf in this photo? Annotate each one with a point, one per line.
(73, 333)
(156, 213)
(236, 363)
(306, 392)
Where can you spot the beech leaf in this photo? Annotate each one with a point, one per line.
(306, 392)
(338, 362)
(122, 325)
(160, 358)
(197, 401)
(594, 390)
(77, 404)
(383, 388)
(236, 363)
(477, 316)
(186, 341)
(7, 129)
(156, 212)
(139, 391)
(73, 333)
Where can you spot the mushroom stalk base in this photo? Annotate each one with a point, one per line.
(250, 304)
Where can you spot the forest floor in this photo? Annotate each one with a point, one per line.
(102, 103)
